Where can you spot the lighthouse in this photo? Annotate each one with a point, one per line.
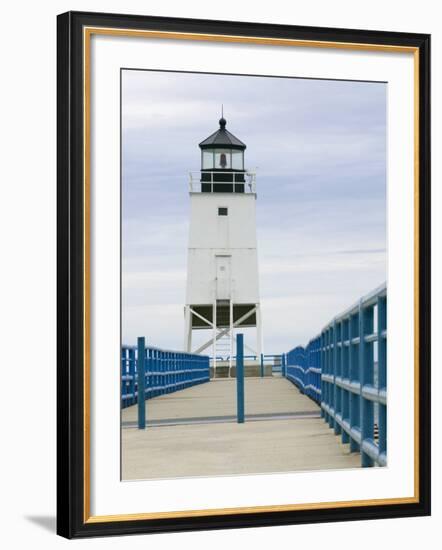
(222, 293)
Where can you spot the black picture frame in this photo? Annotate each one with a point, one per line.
(72, 393)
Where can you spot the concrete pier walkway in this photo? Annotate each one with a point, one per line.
(194, 432)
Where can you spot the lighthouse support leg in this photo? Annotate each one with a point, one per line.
(187, 329)
(231, 335)
(214, 339)
(258, 332)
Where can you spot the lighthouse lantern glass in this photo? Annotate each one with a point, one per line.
(207, 160)
(223, 159)
(237, 159)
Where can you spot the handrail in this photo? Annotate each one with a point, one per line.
(344, 369)
(367, 300)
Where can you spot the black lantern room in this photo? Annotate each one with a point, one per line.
(222, 162)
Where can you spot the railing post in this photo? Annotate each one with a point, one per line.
(382, 372)
(304, 366)
(166, 360)
(318, 364)
(354, 378)
(330, 390)
(262, 365)
(346, 376)
(336, 372)
(132, 375)
(323, 363)
(124, 383)
(307, 372)
(141, 383)
(163, 357)
(240, 377)
(159, 369)
(325, 371)
(149, 378)
(366, 378)
(283, 365)
(322, 367)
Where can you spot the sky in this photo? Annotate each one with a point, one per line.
(319, 150)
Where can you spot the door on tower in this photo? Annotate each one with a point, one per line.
(223, 277)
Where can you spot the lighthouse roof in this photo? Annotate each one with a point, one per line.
(222, 138)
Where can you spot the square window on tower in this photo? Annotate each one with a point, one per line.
(223, 211)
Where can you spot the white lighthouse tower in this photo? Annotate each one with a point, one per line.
(222, 267)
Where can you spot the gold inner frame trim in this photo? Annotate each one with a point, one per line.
(87, 33)
(416, 274)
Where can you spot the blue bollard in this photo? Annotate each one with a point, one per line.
(141, 383)
(262, 365)
(240, 377)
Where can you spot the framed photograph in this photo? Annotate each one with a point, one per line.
(243, 274)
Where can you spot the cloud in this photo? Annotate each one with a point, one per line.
(320, 152)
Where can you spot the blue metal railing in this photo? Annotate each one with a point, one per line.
(227, 357)
(164, 372)
(344, 369)
(272, 359)
(304, 368)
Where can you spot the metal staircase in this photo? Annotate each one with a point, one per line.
(223, 348)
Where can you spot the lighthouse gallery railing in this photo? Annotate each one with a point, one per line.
(211, 178)
(344, 369)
